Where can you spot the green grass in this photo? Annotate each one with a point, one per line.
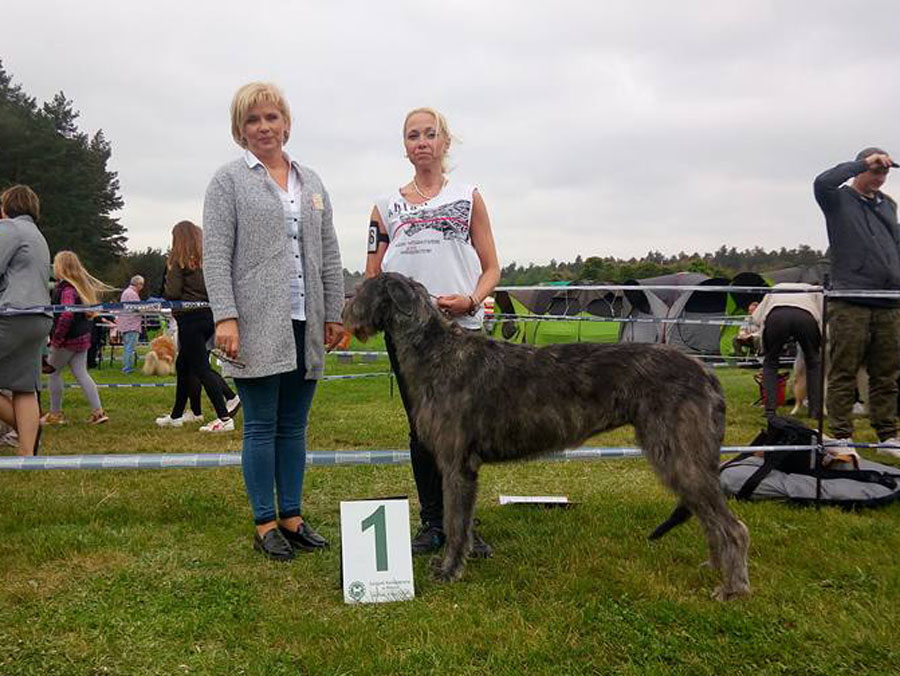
(151, 572)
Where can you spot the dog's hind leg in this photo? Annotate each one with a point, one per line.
(460, 488)
(726, 535)
(729, 542)
(684, 452)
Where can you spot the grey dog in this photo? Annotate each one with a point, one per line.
(478, 400)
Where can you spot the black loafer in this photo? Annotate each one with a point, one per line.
(305, 539)
(273, 546)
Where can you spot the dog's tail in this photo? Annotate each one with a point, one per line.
(678, 516)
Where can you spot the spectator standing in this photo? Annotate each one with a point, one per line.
(865, 255)
(100, 326)
(24, 272)
(184, 281)
(195, 387)
(129, 324)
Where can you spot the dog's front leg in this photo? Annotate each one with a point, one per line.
(460, 488)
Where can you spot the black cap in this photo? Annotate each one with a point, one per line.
(873, 150)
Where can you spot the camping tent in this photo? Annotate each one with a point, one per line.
(557, 301)
(642, 306)
(645, 306)
(673, 304)
(698, 306)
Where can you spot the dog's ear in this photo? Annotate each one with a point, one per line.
(401, 294)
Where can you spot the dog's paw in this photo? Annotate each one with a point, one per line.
(722, 593)
(442, 572)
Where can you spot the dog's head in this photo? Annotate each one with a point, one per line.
(384, 301)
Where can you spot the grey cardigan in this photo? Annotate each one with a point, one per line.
(247, 266)
(24, 264)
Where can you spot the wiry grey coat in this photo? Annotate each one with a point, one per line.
(247, 266)
(477, 400)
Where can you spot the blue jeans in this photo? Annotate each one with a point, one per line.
(276, 410)
(129, 350)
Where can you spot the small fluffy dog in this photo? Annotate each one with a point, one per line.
(160, 360)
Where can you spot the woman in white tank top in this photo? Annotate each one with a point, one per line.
(437, 232)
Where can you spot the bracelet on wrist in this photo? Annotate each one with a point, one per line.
(473, 308)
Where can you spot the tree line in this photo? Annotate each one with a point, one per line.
(724, 262)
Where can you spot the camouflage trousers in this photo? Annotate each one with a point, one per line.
(861, 335)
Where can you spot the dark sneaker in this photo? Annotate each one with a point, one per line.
(273, 545)
(480, 548)
(428, 540)
(305, 539)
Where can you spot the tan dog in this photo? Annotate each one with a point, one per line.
(160, 360)
(799, 386)
(798, 383)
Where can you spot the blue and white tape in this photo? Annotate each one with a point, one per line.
(156, 306)
(172, 383)
(364, 457)
(133, 307)
(717, 321)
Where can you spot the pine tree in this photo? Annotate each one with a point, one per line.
(43, 148)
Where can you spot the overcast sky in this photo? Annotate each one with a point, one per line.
(592, 128)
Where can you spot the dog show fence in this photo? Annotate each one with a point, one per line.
(157, 306)
(393, 457)
(172, 383)
(321, 458)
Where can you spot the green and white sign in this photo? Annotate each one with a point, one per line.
(375, 551)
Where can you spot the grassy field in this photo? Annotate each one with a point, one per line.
(152, 572)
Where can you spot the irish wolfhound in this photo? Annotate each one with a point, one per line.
(478, 400)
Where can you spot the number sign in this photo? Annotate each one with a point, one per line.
(375, 551)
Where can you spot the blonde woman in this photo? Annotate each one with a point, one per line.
(436, 231)
(70, 336)
(276, 288)
(24, 269)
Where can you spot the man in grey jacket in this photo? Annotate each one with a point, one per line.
(865, 255)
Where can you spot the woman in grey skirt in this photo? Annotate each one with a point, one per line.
(24, 277)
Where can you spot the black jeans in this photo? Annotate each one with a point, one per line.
(195, 328)
(783, 324)
(429, 483)
(194, 387)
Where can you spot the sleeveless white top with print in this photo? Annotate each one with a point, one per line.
(431, 242)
